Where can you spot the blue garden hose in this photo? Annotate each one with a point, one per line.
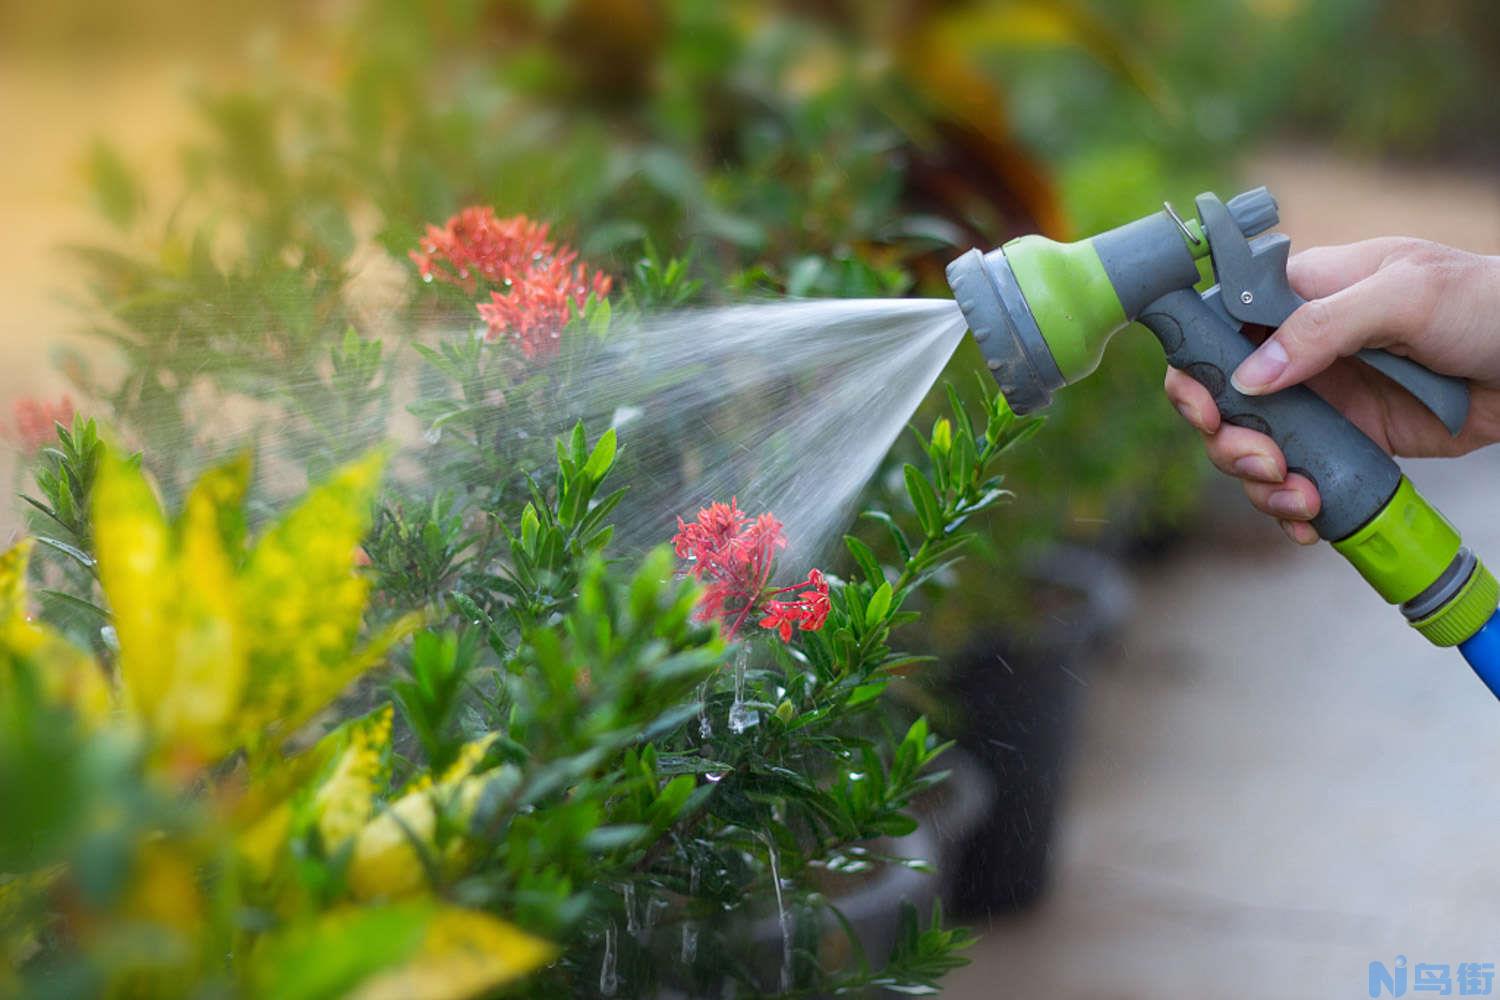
(1482, 650)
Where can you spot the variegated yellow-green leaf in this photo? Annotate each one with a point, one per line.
(411, 949)
(21, 922)
(303, 600)
(465, 953)
(213, 653)
(346, 800)
(469, 757)
(397, 854)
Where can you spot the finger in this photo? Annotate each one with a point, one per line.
(1192, 400)
(1246, 454)
(1299, 531)
(1320, 271)
(1326, 329)
(1295, 499)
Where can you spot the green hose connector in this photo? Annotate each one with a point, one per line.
(1458, 620)
(1403, 549)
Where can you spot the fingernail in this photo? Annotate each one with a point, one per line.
(1261, 368)
(1257, 467)
(1299, 531)
(1288, 503)
(1189, 413)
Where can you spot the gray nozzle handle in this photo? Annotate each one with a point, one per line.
(1354, 476)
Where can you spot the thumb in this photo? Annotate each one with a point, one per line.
(1322, 331)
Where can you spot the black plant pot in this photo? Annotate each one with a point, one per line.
(1020, 697)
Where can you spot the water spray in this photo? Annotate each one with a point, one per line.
(1042, 313)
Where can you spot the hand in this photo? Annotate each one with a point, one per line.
(1435, 304)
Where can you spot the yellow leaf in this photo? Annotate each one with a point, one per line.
(398, 853)
(13, 565)
(200, 707)
(393, 851)
(346, 800)
(173, 593)
(464, 953)
(133, 546)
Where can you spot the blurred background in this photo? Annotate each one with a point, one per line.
(1218, 767)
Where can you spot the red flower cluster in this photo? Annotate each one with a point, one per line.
(732, 554)
(34, 421)
(532, 282)
(808, 611)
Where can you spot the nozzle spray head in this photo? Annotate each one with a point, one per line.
(1001, 321)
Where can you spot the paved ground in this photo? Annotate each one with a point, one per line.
(1277, 782)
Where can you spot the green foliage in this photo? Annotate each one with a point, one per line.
(64, 475)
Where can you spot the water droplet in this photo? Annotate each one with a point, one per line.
(713, 777)
(689, 951)
(654, 908)
(741, 716)
(705, 727)
(609, 979)
(632, 926)
(782, 919)
(427, 278)
(434, 434)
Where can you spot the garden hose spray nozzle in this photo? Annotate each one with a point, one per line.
(1042, 313)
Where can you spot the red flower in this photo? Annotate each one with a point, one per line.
(35, 419)
(475, 245)
(532, 282)
(536, 308)
(732, 555)
(808, 611)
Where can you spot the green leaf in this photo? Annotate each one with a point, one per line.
(897, 535)
(880, 603)
(929, 512)
(865, 693)
(73, 552)
(117, 191)
(865, 557)
(599, 317)
(580, 444)
(602, 458)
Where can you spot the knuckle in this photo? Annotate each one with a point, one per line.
(1312, 328)
(1428, 266)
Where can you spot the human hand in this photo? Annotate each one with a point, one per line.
(1432, 303)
